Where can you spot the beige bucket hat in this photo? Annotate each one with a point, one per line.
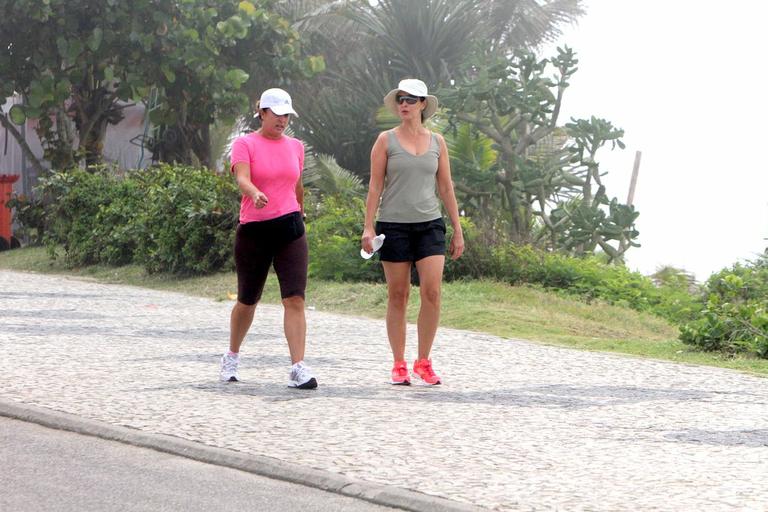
(416, 88)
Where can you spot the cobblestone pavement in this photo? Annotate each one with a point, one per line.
(516, 425)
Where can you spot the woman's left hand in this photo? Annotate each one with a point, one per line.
(457, 245)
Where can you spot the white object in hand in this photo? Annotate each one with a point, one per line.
(377, 242)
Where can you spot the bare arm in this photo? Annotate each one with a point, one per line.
(375, 187)
(300, 195)
(300, 182)
(447, 194)
(247, 188)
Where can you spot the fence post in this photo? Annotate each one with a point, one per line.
(635, 171)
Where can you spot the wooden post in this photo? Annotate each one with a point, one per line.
(635, 170)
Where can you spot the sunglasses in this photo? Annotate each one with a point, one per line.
(408, 98)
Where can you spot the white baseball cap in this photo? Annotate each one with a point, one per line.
(278, 101)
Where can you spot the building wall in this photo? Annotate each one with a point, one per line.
(118, 148)
(11, 158)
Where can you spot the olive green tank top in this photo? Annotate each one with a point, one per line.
(409, 184)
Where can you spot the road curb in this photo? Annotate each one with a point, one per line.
(257, 464)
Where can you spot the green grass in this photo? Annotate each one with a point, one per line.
(483, 306)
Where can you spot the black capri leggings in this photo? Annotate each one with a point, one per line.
(280, 242)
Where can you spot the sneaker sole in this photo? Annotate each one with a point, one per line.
(425, 383)
(310, 384)
(404, 383)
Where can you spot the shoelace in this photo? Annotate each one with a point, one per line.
(401, 371)
(427, 368)
(230, 364)
(302, 373)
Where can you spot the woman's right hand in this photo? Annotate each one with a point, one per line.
(260, 199)
(366, 241)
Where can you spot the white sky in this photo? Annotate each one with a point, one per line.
(687, 81)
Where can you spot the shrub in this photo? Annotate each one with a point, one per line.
(587, 277)
(478, 258)
(734, 314)
(168, 218)
(84, 209)
(29, 214)
(186, 222)
(333, 232)
(115, 224)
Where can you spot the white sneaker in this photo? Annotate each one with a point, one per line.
(302, 377)
(228, 372)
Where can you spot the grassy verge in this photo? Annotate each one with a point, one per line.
(491, 307)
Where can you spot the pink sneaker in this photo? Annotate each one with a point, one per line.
(423, 368)
(400, 374)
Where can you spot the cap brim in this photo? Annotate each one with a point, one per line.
(391, 103)
(281, 110)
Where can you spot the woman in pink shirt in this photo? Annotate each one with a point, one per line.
(267, 165)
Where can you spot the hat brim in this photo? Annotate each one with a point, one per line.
(281, 110)
(278, 110)
(391, 103)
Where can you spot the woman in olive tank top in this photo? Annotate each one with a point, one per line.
(410, 173)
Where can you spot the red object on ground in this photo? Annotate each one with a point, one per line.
(6, 187)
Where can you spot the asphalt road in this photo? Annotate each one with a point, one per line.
(42, 469)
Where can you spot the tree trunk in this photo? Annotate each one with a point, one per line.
(36, 164)
(96, 108)
(201, 145)
(92, 143)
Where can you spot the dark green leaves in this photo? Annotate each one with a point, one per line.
(236, 77)
(17, 115)
(94, 42)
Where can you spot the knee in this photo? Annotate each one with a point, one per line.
(243, 309)
(295, 303)
(398, 297)
(430, 296)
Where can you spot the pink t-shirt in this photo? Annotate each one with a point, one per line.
(276, 167)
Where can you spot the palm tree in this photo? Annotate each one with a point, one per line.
(428, 39)
(369, 46)
(674, 277)
(527, 23)
(434, 39)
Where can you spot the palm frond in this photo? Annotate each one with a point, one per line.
(324, 174)
(315, 15)
(426, 39)
(528, 23)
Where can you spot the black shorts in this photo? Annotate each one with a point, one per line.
(280, 242)
(405, 241)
